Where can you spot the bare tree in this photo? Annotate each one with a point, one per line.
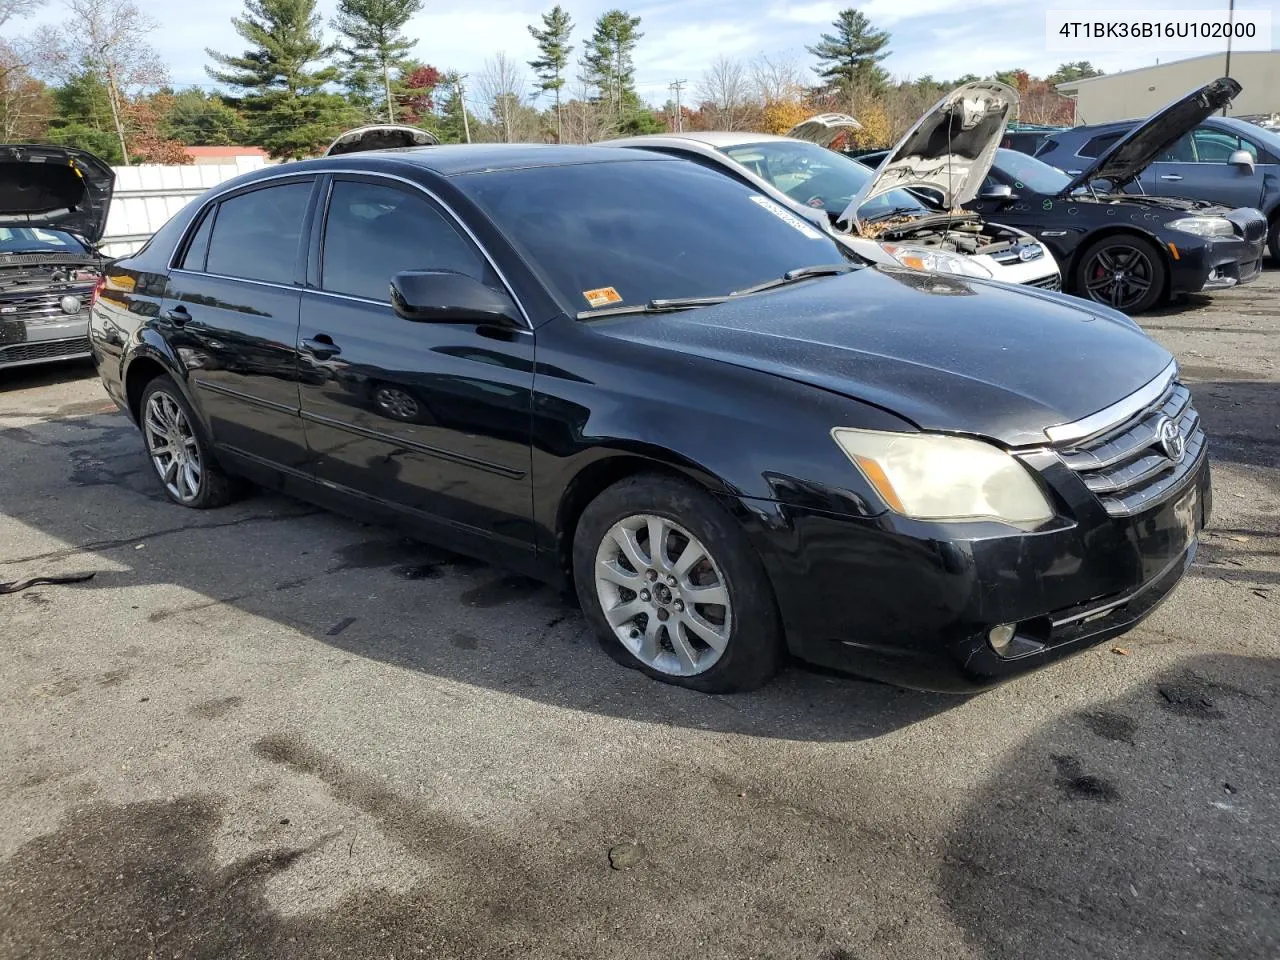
(24, 101)
(503, 88)
(777, 79)
(725, 86)
(16, 9)
(107, 38)
(584, 117)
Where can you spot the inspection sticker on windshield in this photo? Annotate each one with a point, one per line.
(788, 218)
(602, 296)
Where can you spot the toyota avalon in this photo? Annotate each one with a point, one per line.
(735, 443)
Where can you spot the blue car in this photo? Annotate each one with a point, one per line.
(1225, 160)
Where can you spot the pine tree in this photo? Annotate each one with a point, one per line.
(554, 50)
(608, 63)
(282, 78)
(852, 54)
(375, 46)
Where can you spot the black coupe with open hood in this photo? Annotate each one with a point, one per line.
(1130, 251)
(53, 210)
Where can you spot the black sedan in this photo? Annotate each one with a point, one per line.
(735, 443)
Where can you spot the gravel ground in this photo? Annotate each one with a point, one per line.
(271, 732)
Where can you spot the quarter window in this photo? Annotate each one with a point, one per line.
(1099, 145)
(198, 249)
(372, 232)
(255, 236)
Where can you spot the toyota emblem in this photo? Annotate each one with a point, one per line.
(1169, 438)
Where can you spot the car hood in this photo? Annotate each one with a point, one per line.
(380, 136)
(949, 150)
(824, 128)
(1133, 153)
(960, 356)
(60, 188)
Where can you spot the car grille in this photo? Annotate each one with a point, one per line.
(1126, 467)
(1051, 282)
(1251, 223)
(44, 307)
(44, 350)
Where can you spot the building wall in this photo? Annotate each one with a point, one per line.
(1137, 93)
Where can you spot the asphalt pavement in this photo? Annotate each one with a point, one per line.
(268, 731)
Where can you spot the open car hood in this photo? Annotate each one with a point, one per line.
(59, 188)
(824, 128)
(1131, 154)
(949, 150)
(381, 136)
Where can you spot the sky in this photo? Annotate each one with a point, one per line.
(941, 38)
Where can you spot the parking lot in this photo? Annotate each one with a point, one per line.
(267, 731)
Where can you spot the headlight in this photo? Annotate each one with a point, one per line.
(934, 477)
(1205, 226)
(934, 261)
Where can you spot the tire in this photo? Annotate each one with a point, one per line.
(1136, 260)
(192, 478)
(723, 564)
(1273, 239)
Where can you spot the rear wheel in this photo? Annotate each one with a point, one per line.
(1123, 272)
(671, 586)
(179, 450)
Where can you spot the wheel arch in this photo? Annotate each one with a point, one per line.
(1103, 233)
(144, 364)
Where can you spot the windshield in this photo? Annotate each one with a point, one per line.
(818, 177)
(37, 240)
(1030, 174)
(618, 233)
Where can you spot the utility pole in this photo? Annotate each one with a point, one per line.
(677, 86)
(1231, 17)
(462, 102)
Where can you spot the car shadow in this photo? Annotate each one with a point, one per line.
(1143, 827)
(1241, 417)
(371, 593)
(46, 374)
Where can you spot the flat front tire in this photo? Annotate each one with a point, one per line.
(179, 450)
(671, 586)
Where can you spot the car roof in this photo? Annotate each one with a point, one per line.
(710, 138)
(449, 160)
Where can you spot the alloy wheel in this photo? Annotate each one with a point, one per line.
(1119, 275)
(396, 403)
(174, 449)
(663, 595)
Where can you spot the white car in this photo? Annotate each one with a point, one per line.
(881, 223)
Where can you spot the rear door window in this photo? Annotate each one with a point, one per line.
(1097, 146)
(255, 235)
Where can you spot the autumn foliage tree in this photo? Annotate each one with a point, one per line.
(415, 98)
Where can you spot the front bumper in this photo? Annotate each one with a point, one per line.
(1215, 264)
(911, 603)
(22, 343)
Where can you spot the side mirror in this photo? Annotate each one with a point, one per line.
(1241, 158)
(443, 296)
(999, 191)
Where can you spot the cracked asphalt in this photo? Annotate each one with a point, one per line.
(271, 732)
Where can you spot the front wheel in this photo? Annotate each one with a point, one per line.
(1123, 272)
(179, 450)
(671, 586)
(1273, 240)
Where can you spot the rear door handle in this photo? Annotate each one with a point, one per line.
(321, 346)
(1170, 176)
(177, 316)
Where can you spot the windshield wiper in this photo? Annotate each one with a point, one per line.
(895, 212)
(671, 304)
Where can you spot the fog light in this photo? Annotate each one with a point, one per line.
(1001, 637)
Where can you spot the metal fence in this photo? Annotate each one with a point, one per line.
(147, 196)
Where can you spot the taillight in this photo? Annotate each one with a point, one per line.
(97, 290)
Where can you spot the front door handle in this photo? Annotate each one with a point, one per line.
(177, 316)
(321, 346)
(1170, 176)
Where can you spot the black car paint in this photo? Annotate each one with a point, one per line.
(1068, 224)
(528, 421)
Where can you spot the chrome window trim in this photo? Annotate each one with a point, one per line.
(1117, 413)
(218, 198)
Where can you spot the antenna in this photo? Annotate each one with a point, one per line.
(677, 86)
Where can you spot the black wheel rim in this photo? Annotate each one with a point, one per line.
(1119, 275)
